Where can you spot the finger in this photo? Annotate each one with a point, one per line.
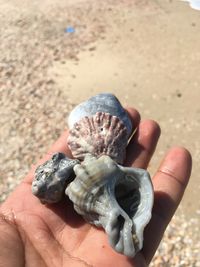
(60, 146)
(134, 116)
(169, 184)
(143, 144)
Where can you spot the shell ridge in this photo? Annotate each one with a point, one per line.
(100, 139)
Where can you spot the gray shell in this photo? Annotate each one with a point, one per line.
(104, 102)
(51, 178)
(117, 198)
(101, 134)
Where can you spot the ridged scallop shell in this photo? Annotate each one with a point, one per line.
(104, 102)
(117, 198)
(101, 134)
(52, 177)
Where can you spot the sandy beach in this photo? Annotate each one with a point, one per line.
(145, 52)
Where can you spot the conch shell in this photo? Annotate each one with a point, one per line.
(117, 198)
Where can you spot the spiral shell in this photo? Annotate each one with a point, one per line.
(52, 177)
(117, 198)
(101, 134)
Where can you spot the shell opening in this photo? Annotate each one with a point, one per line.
(128, 196)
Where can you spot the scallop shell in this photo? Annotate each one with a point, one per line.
(105, 102)
(51, 178)
(101, 134)
(117, 198)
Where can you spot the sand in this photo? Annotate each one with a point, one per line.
(146, 52)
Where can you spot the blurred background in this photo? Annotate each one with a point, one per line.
(56, 54)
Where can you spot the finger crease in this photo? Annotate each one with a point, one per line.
(170, 174)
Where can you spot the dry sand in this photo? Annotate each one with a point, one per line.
(146, 52)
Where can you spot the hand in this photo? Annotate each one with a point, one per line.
(32, 234)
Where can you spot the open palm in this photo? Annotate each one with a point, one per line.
(32, 234)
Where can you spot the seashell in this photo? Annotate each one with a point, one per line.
(106, 194)
(105, 102)
(51, 178)
(117, 198)
(101, 134)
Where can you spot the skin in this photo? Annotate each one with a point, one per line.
(32, 234)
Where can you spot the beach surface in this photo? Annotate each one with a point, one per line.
(145, 52)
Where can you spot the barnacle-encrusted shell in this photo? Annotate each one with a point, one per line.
(51, 178)
(101, 134)
(104, 102)
(117, 198)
